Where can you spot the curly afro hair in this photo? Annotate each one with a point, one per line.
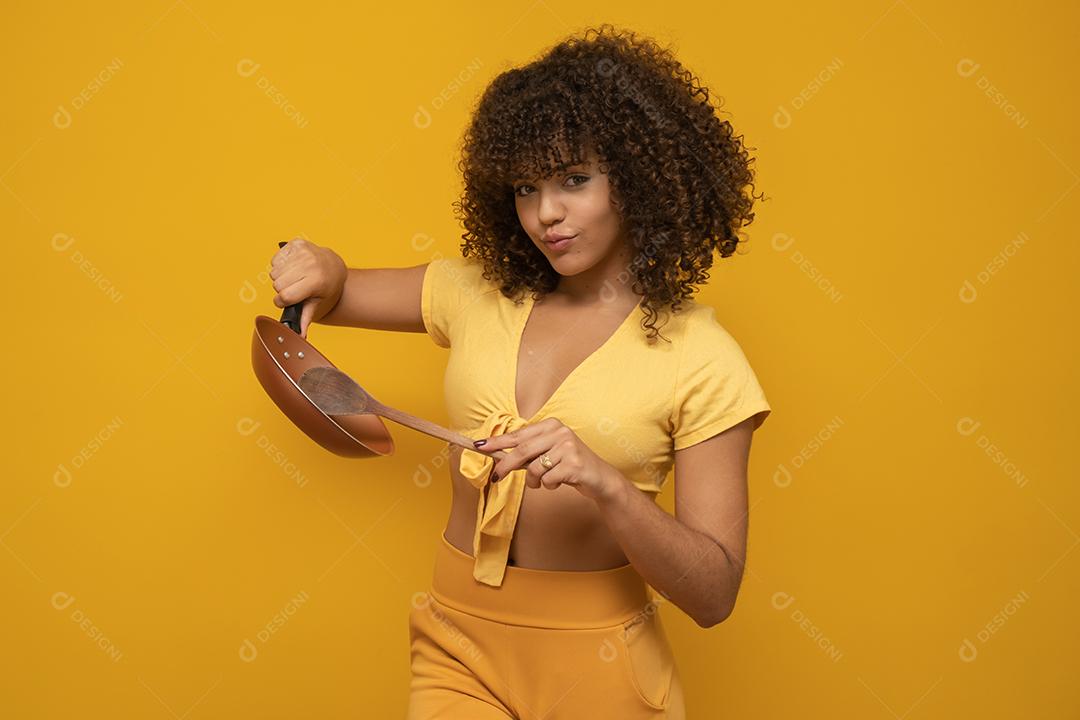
(680, 178)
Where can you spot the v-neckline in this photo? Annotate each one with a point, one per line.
(519, 335)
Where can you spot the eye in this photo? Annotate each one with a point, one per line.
(582, 180)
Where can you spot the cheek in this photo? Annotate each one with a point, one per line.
(599, 215)
(526, 218)
(597, 203)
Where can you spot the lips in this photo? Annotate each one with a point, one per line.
(560, 243)
(553, 238)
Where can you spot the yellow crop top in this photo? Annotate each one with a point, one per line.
(634, 404)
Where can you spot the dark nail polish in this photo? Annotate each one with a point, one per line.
(494, 476)
(478, 443)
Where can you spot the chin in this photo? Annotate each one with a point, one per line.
(566, 265)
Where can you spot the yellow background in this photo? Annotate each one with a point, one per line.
(907, 300)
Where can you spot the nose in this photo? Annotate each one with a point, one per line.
(550, 210)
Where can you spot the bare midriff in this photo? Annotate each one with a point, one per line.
(558, 529)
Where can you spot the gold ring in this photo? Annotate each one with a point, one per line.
(546, 461)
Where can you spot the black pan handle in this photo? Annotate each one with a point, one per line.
(290, 318)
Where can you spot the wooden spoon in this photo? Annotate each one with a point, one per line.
(335, 393)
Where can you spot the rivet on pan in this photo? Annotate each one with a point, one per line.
(280, 339)
(286, 354)
(300, 354)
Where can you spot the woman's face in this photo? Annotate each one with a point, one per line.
(574, 202)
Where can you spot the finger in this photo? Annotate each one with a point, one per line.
(537, 472)
(515, 437)
(531, 450)
(289, 266)
(292, 293)
(307, 312)
(286, 276)
(288, 251)
(524, 453)
(295, 270)
(540, 476)
(280, 257)
(532, 480)
(295, 263)
(504, 440)
(555, 477)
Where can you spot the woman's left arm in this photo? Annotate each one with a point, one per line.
(694, 559)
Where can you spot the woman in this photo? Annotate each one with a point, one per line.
(598, 181)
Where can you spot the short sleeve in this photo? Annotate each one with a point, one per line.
(450, 285)
(715, 387)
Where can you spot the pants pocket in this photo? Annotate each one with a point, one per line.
(648, 659)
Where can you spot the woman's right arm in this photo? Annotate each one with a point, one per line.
(332, 294)
(380, 299)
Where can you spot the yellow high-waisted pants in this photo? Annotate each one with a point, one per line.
(546, 644)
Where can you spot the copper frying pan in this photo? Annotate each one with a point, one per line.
(279, 357)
